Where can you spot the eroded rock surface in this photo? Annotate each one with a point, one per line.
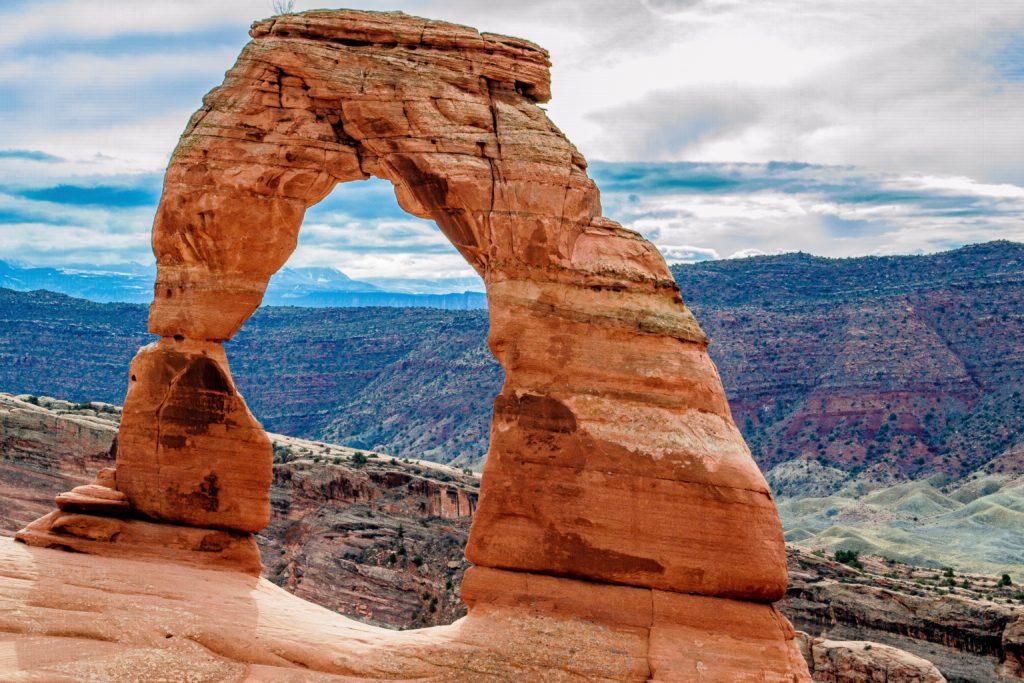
(48, 446)
(380, 541)
(375, 542)
(69, 616)
(970, 630)
(833, 661)
(189, 450)
(618, 497)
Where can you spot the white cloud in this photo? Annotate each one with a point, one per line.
(919, 86)
(913, 108)
(686, 253)
(107, 18)
(907, 87)
(832, 211)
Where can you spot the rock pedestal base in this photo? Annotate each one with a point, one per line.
(96, 519)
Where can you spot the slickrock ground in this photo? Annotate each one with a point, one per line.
(67, 616)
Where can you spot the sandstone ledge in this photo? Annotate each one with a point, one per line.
(836, 661)
(115, 537)
(74, 616)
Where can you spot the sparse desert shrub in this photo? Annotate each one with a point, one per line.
(283, 6)
(283, 454)
(850, 558)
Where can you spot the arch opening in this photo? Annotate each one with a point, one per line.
(407, 374)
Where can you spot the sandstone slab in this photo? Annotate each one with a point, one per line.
(832, 661)
(77, 616)
(117, 537)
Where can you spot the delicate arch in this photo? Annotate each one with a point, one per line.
(613, 454)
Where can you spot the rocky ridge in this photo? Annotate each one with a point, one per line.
(965, 624)
(328, 374)
(912, 363)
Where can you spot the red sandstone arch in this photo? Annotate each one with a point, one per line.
(613, 453)
(613, 456)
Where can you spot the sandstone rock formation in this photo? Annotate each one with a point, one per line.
(47, 444)
(620, 509)
(1013, 647)
(376, 542)
(380, 541)
(832, 661)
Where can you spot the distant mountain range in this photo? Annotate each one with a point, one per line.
(309, 287)
(889, 367)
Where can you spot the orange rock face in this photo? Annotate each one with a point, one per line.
(614, 458)
(189, 451)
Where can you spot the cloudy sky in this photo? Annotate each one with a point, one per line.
(718, 128)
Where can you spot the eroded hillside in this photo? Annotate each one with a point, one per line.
(901, 366)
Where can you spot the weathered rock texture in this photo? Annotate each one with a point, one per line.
(380, 541)
(189, 451)
(46, 447)
(377, 543)
(614, 458)
(832, 661)
(971, 631)
(69, 616)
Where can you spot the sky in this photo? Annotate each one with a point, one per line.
(717, 128)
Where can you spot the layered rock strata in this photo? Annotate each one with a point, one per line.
(618, 496)
(970, 632)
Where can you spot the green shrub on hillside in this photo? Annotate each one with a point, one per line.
(851, 558)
